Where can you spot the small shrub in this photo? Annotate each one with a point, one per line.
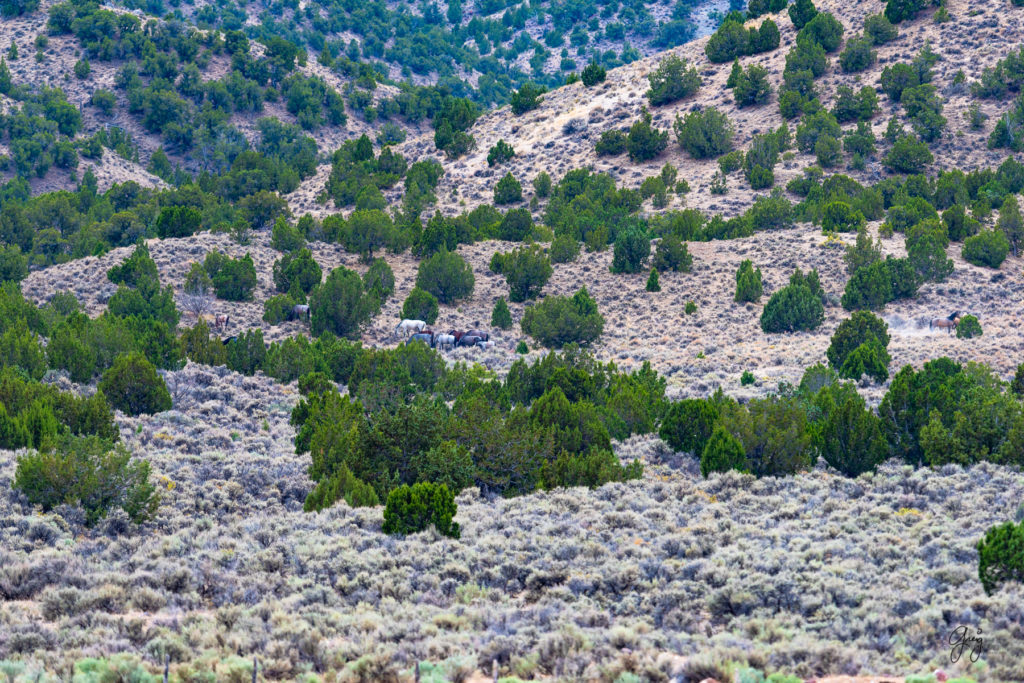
(379, 279)
(526, 98)
(233, 279)
(133, 386)
(672, 254)
(722, 453)
(411, 509)
(286, 237)
(704, 134)
(508, 190)
(611, 143)
(908, 155)
(652, 281)
(593, 74)
(526, 271)
(690, 308)
(500, 153)
(1001, 556)
(858, 329)
(747, 378)
(564, 249)
(501, 317)
(340, 305)
(752, 87)
(522, 348)
(644, 142)
(420, 305)
(748, 283)
(672, 81)
(968, 328)
(632, 249)
(297, 271)
(879, 30)
(688, 424)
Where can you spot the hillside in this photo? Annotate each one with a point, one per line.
(664, 467)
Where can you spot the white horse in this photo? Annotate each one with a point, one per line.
(407, 326)
(485, 344)
(444, 340)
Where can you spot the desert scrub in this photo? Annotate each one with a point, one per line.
(559, 320)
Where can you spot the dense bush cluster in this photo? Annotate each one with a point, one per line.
(549, 424)
(733, 39)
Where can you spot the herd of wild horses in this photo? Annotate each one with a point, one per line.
(418, 331)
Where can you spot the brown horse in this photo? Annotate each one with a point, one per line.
(949, 324)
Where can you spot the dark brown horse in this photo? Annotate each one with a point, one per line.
(457, 334)
(484, 336)
(949, 324)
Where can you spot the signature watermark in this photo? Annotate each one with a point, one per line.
(964, 641)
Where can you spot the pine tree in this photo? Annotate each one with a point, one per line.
(501, 317)
(1011, 223)
(652, 281)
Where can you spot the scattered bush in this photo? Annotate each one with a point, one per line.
(722, 453)
(879, 30)
(846, 433)
(501, 317)
(526, 98)
(508, 190)
(652, 281)
(526, 271)
(672, 81)
(752, 86)
(564, 249)
(908, 155)
(672, 254)
(644, 142)
(233, 279)
(632, 249)
(593, 74)
(297, 272)
(688, 424)
(801, 12)
(379, 280)
(340, 305)
(500, 153)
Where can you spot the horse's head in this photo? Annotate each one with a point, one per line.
(954, 316)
